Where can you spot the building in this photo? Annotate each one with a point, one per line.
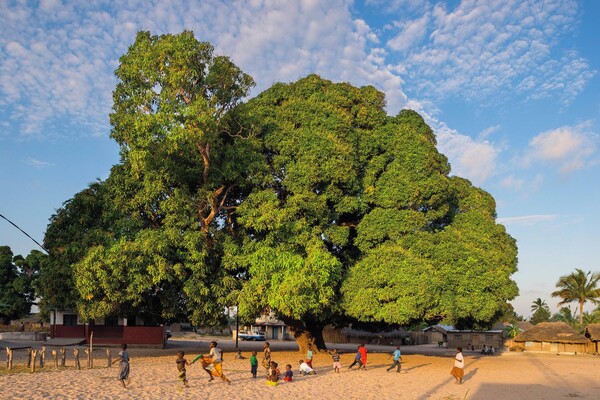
(592, 333)
(552, 337)
(116, 330)
(477, 339)
(270, 326)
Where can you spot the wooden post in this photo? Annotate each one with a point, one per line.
(76, 354)
(55, 356)
(29, 357)
(91, 353)
(90, 359)
(9, 358)
(63, 356)
(33, 355)
(42, 357)
(108, 358)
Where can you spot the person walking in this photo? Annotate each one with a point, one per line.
(458, 371)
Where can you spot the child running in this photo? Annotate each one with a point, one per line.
(181, 363)
(123, 365)
(356, 359)
(397, 359)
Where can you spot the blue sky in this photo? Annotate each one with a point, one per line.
(511, 88)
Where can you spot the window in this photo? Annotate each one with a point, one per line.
(70, 319)
(111, 321)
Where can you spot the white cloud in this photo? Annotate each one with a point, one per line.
(510, 182)
(38, 163)
(476, 160)
(527, 220)
(570, 147)
(481, 50)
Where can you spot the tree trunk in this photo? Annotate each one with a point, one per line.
(581, 315)
(308, 334)
(33, 356)
(43, 357)
(76, 356)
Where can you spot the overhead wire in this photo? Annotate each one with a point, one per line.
(25, 233)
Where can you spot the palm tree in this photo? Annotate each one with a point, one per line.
(512, 330)
(537, 304)
(578, 287)
(566, 315)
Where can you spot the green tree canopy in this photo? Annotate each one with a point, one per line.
(16, 278)
(308, 200)
(182, 173)
(359, 219)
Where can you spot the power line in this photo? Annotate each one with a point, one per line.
(25, 233)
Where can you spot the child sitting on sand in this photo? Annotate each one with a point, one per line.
(181, 363)
(253, 364)
(273, 378)
(239, 356)
(305, 369)
(288, 373)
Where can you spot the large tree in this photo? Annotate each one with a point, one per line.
(182, 172)
(579, 287)
(359, 219)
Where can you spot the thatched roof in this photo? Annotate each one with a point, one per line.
(553, 332)
(592, 332)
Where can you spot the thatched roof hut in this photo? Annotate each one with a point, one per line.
(592, 332)
(552, 337)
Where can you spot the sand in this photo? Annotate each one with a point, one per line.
(424, 376)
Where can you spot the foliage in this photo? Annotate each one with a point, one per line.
(566, 315)
(308, 200)
(181, 175)
(512, 331)
(578, 287)
(16, 278)
(539, 303)
(359, 219)
(540, 315)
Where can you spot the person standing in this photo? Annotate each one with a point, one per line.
(335, 356)
(266, 362)
(458, 371)
(397, 359)
(253, 364)
(181, 363)
(309, 356)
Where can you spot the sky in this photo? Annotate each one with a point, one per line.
(511, 89)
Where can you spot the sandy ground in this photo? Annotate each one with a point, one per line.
(425, 375)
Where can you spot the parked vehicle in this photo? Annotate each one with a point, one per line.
(252, 336)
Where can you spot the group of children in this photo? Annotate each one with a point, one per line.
(212, 364)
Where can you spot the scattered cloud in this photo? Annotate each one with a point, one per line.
(38, 163)
(474, 159)
(484, 50)
(569, 147)
(527, 220)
